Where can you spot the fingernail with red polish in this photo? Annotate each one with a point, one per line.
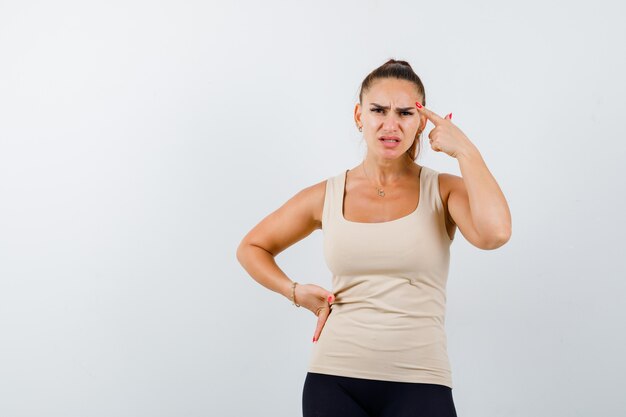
(330, 298)
(417, 103)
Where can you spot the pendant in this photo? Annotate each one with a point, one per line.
(381, 192)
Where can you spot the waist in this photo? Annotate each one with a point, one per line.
(402, 349)
(374, 328)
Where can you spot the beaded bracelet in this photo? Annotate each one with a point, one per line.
(293, 294)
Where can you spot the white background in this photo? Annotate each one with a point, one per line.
(141, 140)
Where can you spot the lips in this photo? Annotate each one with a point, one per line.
(391, 144)
(397, 139)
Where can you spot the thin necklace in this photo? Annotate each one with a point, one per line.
(381, 192)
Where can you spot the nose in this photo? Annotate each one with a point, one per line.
(391, 122)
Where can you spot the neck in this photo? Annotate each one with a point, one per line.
(386, 171)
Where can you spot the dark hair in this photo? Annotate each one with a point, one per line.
(401, 70)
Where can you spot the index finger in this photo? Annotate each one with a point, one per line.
(321, 321)
(430, 115)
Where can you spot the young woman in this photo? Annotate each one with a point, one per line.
(388, 223)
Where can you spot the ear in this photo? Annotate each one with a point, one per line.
(357, 114)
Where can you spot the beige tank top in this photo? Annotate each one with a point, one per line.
(389, 280)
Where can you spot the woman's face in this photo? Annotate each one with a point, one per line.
(389, 111)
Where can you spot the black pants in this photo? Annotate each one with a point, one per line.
(339, 396)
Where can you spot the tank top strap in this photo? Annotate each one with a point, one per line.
(430, 190)
(332, 199)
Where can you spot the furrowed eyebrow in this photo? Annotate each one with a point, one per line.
(387, 107)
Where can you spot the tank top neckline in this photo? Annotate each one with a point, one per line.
(366, 224)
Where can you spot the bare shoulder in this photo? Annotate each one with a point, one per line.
(308, 203)
(446, 183)
(294, 220)
(315, 194)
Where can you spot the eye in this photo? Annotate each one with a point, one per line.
(407, 113)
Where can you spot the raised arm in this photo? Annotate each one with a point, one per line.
(475, 201)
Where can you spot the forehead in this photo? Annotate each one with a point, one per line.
(386, 90)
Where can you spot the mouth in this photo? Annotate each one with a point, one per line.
(389, 139)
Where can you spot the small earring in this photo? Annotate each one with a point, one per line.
(360, 128)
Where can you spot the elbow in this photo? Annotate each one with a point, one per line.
(240, 253)
(247, 249)
(499, 240)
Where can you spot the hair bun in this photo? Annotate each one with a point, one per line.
(398, 62)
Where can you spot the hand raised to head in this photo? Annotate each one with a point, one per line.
(445, 136)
